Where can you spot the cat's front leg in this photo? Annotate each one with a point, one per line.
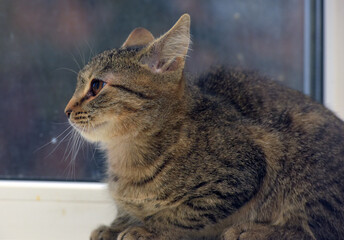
(104, 233)
(120, 224)
(135, 233)
(131, 233)
(253, 231)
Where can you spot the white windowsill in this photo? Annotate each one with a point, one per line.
(52, 210)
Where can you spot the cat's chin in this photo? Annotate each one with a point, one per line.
(90, 137)
(95, 133)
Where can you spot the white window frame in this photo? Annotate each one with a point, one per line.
(60, 210)
(334, 56)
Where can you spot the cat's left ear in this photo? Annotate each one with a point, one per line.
(139, 37)
(168, 52)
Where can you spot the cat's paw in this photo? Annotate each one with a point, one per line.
(244, 232)
(232, 233)
(235, 235)
(136, 233)
(252, 231)
(103, 233)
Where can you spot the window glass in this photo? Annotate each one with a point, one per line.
(44, 43)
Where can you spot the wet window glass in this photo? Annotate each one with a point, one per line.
(43, 45)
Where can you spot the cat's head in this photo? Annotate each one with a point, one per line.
(127, 90)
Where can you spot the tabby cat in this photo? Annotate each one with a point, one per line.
(235, 156)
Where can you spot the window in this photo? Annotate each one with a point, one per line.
(47, 42)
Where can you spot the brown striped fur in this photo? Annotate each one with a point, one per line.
(235, 156)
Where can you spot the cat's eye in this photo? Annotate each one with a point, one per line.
(96, 86)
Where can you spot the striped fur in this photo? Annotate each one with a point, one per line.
(235, 156)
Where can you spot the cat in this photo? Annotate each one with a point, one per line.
(232, 156)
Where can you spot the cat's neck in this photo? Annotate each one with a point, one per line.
(135, 157)
(125, 154)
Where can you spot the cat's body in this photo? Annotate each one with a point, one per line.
(236, 156)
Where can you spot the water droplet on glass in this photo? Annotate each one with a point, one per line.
(236, 16)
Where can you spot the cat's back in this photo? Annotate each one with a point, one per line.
(247, 101)
(263, 100)
(301, 140)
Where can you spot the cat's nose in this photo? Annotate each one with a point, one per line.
(68, 112)
(70, 106)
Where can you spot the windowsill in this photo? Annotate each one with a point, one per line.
(53, 210)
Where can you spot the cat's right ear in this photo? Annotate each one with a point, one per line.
(168, 52)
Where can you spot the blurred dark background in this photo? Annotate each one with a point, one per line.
(43, 42)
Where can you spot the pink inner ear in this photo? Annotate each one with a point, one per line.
(152, 60)
(154, 67)
(177, 63)
(167, 53)
(157, 70)
(159, 67)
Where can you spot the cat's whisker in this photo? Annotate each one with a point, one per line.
(74, 59)
(77, 142)
(69, 147)
(44, 145)
(67, 69)
(54, 140)
(61, 123)
(71, 162)
(82, 57)
(71, 153)
(79, 146)
(70, 144)
(58, 144)
(76, 149)
(91, 52)
(73, 148)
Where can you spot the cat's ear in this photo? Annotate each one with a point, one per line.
(168, 52)
(139, 37)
